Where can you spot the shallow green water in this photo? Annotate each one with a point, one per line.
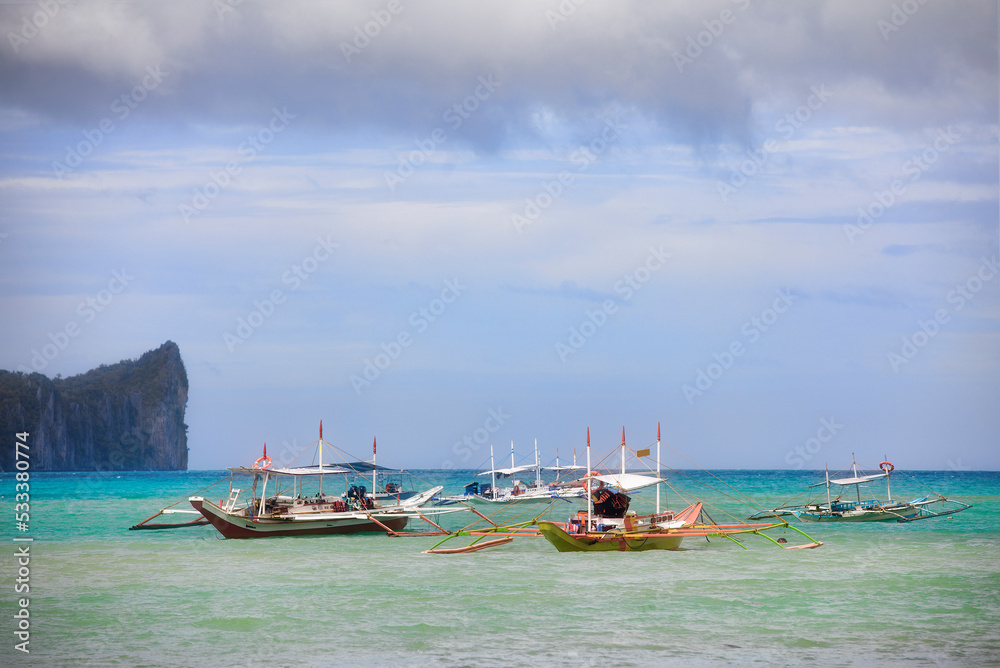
(926, 593)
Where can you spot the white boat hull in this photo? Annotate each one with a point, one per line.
(885, 515)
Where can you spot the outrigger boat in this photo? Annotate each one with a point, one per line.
(869, 509)
(519, 491)
(609, 525)
(292, 501)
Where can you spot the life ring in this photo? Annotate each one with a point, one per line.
(262, 462)
(887, 467)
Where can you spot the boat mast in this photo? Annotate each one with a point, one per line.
(538, 470)
(590, 498)
(321, 457)
(493, 475)
(557, 465)
(829, 504)
(513, 475)
(888, 493)
(263, 495)
(623, 450)
(657, 467)
(374, 472)
(857, 485)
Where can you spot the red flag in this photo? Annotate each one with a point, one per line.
(588, 437)
(321, 430)
(265, 449)
(373, 446)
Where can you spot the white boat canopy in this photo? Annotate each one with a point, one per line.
(567, 467)
(304, 470)
(508, 471)
(860, 479)
(626, 482)
(853, 481)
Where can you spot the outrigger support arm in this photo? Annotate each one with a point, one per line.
(481, 515)
(388, 531)
(789, 526)
(725, 535)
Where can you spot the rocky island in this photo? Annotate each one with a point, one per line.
(119, 417)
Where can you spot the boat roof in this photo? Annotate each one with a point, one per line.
(508, 471)
(365, 467)
(853, 481)
(567, 467)
(858, 480)
(326, 469)
(300, 470)
(626, 482)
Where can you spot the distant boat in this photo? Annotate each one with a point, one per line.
(519, 491)
(867, 509)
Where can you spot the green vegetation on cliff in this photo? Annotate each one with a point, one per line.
(117, 417)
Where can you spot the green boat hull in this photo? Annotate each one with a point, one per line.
(607, 542)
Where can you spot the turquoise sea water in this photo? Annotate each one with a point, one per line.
(919, 594)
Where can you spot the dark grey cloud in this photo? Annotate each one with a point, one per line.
(558, 78)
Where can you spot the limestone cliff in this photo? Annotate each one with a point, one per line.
(119, 417)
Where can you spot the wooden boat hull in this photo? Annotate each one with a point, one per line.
(235, 526)
(607, 542)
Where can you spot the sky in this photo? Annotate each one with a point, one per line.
(770, 228)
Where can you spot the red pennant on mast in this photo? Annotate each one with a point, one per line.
(321, 430)
(623, 435)
(657, 431)
(588, 437)
(265, 449)
(373, 445)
